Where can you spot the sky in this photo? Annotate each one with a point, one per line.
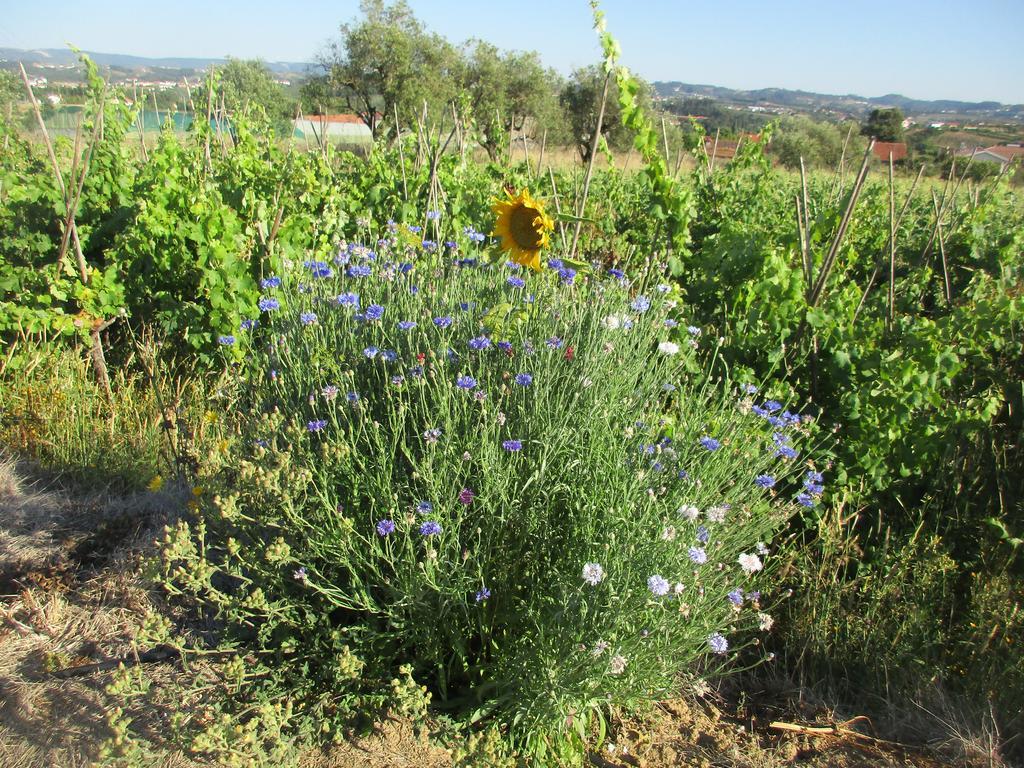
(926, 49)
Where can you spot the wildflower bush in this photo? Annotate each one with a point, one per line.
(513, 495)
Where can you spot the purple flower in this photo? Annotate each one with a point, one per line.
(479, 343)
(641, 304)
(268, 304)
(385, 526)
(693, 330)
(318, 268)
(658, 585)
(512, 445)
(352, 397)
(465, 382)
(443, 322)
(618, 274)
(270, 282)
(710, 443)
(226, 341)
(524, 379)
(697, 555)
(505, 346)
(466, 496)
(390, 355)
(736, 597)
(406, 325)
(483, 594)
(432, 435)
(248, 325)
(703, 534)
(516, 282)
(786, 452)
(374, 312)
(554, 342)
(765, 481)
(772, 406)
(371, 352)
(308, 318)
(316, 425)
(567, 275)
(347, 300)
(359, 270)
(424, 507)
(433, 215)
(717, 643)
(805, 500)
(430, 528)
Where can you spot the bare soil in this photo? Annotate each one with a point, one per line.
(70, 594)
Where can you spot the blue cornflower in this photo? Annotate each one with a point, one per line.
(414, 228)
(465, 382)
(554, 343)
(658, 585)
(416, 371)
(352, 397)
(765, 481)
(805, 500)
(786, 452)
(359, 270)
(406, 325)
(709, 443)
(424, 507)
(405, 267)
(430, 528)
(318, 269)
(749, 389)
(429, 245)
(371, 352)
(772, 406)
(524, 379)
(567, 275)
(374, 312)
(443, 322)
(347, 300)
(226, 341)
(703, 534)
(248, 325)
(670, 323)
(693, 330)
(512, 445)
(555, 263)
(697, 555)
(268, 304)
(385, 526)
(465, 306)
(433, 215)
(618, 274)
(389, 355)
(479, 343)
(505, 346)
(316, 425)
(308, 318)
(718, 643)
(641, 304)
(483, 594)
(813, 477)
(451, 245)
(815, 489)
(270, 282)
(516, 282)
(736, 597)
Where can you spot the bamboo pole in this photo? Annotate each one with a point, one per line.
(942, 251)
(558, 207)
(401, 155)
(892, 246)
(590, 166)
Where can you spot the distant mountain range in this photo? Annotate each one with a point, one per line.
(63, 57)
(804, 101)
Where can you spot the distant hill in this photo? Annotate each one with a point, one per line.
(63, 57)
(781, 98)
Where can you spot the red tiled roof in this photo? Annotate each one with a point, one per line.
(335, 118)
(883, 149)
(1006, 152)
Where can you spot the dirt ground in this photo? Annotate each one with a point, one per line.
(70, 595)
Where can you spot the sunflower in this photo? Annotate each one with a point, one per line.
(523, 226)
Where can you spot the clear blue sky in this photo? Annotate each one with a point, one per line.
(920, 48)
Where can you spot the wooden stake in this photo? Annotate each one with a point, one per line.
(590, 166)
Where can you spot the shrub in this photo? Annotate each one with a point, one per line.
(515, 495)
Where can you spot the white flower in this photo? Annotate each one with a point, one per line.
(593, 573)
(586, 383)
(761, 548)
(669, 534)
(668, 348)
(750, 563)
(612, 322)
(716, 514)
(764, 622)
(600, 647)
(617, 665)
(679, 587)
(700, 688)
(689, 512)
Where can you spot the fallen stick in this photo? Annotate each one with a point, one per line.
(162, 653)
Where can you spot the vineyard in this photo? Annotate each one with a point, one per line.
(358, 440)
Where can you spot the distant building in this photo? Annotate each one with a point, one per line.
(883, 149)
(345, 129)
(1002, 154)
(726, 149)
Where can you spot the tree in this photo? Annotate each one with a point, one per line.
(884, 125)
(581, 100)
(387, 61)
(10, 89)
(248, 82)
(819, 143)
(505, 91)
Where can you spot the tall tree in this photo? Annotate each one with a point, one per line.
(884, 125)
(248, 82)
(386, 61)
(581, 100)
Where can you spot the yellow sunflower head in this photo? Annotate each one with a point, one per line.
(523, 226)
